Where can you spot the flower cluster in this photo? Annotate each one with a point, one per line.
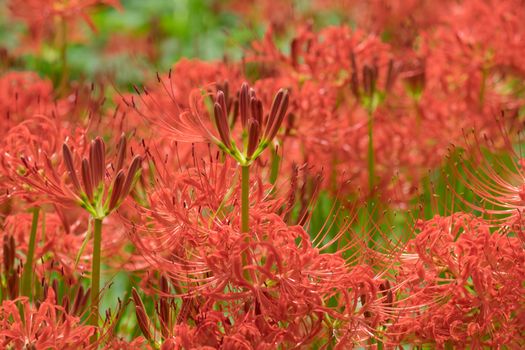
(340, 186)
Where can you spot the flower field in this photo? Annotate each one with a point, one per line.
(208, 174)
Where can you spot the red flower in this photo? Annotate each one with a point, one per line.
(90, 183)
(48, 326)
(463, 286)
(258, 127)
(273, 276)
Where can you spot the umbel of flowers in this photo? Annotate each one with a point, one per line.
(218, 125)
(269, 284)
(80, 178)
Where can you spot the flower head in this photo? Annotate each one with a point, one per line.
(91, 183)
(98, 195)
(462, 285)
(212, 117)
(46, 326)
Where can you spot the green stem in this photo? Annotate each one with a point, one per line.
(95, 272)
(371, 178)
(245, 198)
(371, 167)
(274, 167)
(27, 275)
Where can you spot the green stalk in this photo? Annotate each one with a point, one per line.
(95, 272)
(245, 198)
(371, 177)
(371, 165)
(274, 167)
(27, 275)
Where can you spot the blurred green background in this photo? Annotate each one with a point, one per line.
(144, 37)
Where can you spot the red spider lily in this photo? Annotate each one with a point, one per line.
(258, 128)
(339, 79)
(270, 282)
(87, 183)
(463, 285)
(207, 193)
(331, 70)
(238, 262)
(274, 275)
(48, 326)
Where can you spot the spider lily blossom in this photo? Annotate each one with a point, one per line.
(464, 285)
(98, 195)
(91, 183)
(23, 326)
(218, 125)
